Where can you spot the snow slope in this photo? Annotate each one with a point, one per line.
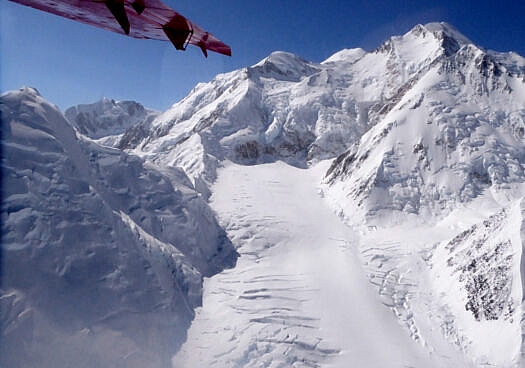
(281, 108)
(454, 285)
(452, 131)
(102, 255)
(435, 186)
(302, 293)
(298, 295)
(431, 81)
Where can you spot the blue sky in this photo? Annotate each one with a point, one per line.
(72, 63)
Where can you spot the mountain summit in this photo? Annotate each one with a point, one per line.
(453, 129)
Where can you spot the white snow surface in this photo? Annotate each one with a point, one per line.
(432, 126)
(452, 131)
(298, 296)
(301, 112)
(302, 293)
(454, 285)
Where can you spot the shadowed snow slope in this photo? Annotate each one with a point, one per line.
(102, 256)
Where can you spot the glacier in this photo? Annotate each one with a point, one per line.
(366, 210)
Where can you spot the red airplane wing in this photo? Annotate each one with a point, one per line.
(150, 19)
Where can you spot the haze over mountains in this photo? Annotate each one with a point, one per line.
(374, 199)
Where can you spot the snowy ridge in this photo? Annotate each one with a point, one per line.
(104, 255)
(448, 140)
(454, 285)
(480, 284)
(287, 108)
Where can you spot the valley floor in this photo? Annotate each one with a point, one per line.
(298, 296)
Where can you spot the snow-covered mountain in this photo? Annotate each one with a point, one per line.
(451, 131)
(417, 146)
(281, 108)
(107, 120)
(290, 109)
(421, 129)
(103, 255)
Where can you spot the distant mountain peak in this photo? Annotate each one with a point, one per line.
(435, 38)
(346, 55)
(26, 91)
(447, 29)
(30, 90)
(284, 66)
(281, 57)
(108, 118)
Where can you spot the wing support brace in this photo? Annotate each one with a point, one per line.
(202, 45)
(178, 32)
(116, 7)
(139, 6)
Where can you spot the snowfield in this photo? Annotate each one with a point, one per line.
(298, 295)
(309, 290)
(454, 285)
